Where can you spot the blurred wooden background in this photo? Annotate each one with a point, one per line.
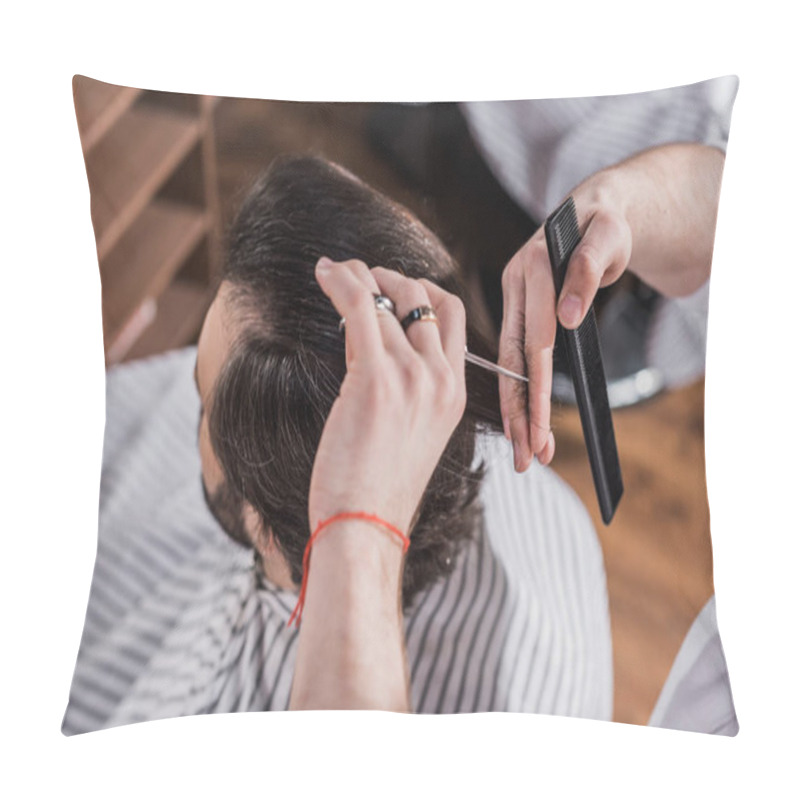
(160, 216)
(151, 166)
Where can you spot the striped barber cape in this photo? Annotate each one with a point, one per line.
(180, 622)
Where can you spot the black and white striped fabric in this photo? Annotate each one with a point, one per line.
(179, 622)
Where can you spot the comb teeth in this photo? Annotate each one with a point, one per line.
(564, 238)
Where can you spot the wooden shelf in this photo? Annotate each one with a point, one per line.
(151, 164)
(146, 259)
(179, 316)
(130, 163)
(98, 106)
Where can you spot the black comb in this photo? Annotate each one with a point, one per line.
(586, 366)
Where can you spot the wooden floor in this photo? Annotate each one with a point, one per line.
(657, 550)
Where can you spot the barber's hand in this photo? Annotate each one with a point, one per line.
(653, 213)
(529, 317)
(401, 399)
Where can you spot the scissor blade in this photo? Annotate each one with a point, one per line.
(492, 367)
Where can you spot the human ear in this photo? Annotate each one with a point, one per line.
(272, 560)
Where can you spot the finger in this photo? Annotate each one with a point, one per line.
(513, 393)
(386, 321)
(353, 299)
(364, 274)
(408, 294)
(540, 335)
(546, 456)
(452, 324)
(599, 259)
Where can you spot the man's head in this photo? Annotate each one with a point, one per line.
(271, 360)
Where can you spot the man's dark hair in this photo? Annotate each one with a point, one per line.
(284, 371)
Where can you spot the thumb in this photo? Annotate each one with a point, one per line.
(599, 259)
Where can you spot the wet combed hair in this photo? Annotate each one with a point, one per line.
(284, 371)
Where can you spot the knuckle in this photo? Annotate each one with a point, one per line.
(355, 264)
(450, 392)
(622, 239)
(586, 264)
(360, 299)
(536, 256)
(444, 380)
(429, 286)
(454, 306)
(417, 293)
(614, 222)
(413, 377)
(511, 275)
(538, 438)
(362, 272)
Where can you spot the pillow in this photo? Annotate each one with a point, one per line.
(528, 602)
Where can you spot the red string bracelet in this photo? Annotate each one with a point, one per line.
(298, 610)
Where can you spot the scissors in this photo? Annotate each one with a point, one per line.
(385, 304)
(586, 365)
(491, 366)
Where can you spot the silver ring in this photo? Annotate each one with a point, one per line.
(382, 303)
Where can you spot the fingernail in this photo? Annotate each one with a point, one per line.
(324, 264)
(570, 311)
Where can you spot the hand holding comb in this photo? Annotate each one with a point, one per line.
(586, 366)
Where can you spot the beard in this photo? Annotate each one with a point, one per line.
(225, 506)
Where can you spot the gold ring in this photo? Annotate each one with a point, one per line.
(420, 314)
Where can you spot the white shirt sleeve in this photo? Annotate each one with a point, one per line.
(539, 150)
(697, 693)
